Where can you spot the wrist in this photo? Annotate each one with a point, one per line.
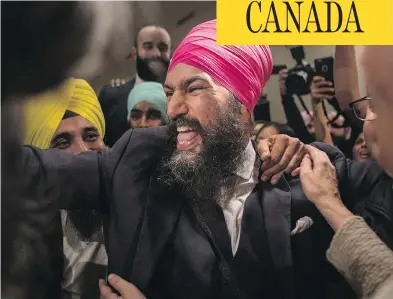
(334, 211)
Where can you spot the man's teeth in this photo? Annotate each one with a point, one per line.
(184, 142)
(184, 129)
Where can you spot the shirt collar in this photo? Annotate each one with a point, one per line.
(246, 170)
(138, 80)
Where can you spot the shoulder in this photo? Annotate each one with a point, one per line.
(110, 91)
(354, 168)
(142, 147)
(333, 152)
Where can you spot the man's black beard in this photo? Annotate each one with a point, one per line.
(204, 175)
(152, 69)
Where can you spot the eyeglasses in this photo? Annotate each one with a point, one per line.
(362, 109)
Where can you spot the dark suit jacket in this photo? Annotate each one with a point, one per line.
(113, 102)
(144, 212)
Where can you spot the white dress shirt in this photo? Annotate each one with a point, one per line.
(233, 208)
(138, 80)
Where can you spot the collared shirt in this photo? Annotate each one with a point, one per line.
(233, 208)
(84, 254)
(138, 80)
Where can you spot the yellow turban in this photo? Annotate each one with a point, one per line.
(43, 113)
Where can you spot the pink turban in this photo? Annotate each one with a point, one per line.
(243, 70)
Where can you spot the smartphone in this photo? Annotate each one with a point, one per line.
(278, 68)
(324, 68)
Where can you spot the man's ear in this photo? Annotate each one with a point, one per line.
(134, 53)
(245, 113)
(247, 118)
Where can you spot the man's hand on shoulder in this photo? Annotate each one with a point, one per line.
(118, 82)
(280, 153)
(126, 289)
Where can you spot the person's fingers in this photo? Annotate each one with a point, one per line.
(263, 149)
(126, 289)
(305, 166)
(297, 159)
(281, 155)
(105, 291)
(318, 157)
(118, 82)
(123, 81)
(113, 83)
(317, 79)
(324, 90)
(296, 172)
(275, 178)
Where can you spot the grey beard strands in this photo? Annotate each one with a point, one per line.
(210, 173)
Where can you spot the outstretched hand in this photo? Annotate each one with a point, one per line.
(280, 153)
(318, 177)
(126, 289)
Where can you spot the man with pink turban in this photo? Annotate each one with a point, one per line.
(189, 215)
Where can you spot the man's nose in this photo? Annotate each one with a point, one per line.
(177, 106)
(143, 122)
(80, 147)
(155, 52)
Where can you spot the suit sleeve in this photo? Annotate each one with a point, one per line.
(295, 120)
(356, 180)
(105, 97)
(80, 181)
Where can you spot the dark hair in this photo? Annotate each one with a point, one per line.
(281, 128)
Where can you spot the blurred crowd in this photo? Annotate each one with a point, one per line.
(178, 182)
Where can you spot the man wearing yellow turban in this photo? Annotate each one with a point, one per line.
(70, 118)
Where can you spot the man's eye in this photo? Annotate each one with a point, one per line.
(154, 115)
(195, 88)
(90, 137)
(136, 114)
(148, 46)
(62, 144)
(163, 48)
(169, 93)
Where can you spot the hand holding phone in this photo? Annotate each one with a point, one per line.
(321, 89)
(324, 68)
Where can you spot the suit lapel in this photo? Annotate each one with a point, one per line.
(161, 216)
(277, 209)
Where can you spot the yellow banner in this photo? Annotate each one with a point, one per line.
(306, 22)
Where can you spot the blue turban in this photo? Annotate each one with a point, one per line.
(150, 92)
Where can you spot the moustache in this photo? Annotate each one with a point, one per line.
(155, 64)
(183, 121)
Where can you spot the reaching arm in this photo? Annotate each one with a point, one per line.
(322, 132)
(320, 90)
(76, 177)
(355, 251)
(346, 79)
(292, 113)
(82, 181)
(356, 180)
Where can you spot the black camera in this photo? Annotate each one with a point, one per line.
(300, 77)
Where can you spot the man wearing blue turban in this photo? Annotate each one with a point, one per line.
(146, 106)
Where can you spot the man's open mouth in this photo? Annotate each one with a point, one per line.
(187, 138)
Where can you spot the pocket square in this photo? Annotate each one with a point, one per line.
(302, 224)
